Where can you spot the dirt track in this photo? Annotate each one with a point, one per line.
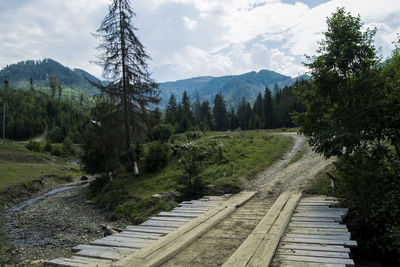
(216, 246)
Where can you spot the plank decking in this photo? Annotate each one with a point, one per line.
(315, 236)
(105, 251)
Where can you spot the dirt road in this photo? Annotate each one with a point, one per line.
(217, 245)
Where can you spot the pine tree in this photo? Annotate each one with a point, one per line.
(267, 109)
(31, 83)
(53, 84)
(170, 110)
(60, 89)
(219, 111)
(124, 63)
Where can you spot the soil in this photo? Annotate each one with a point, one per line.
(50, 227)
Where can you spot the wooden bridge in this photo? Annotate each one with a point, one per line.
(291, 231)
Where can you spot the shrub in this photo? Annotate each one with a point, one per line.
(189, 184)
(156, 157)
(162, 132)
(67, 147)
(34, 146)
(48, 146)
(57, 151)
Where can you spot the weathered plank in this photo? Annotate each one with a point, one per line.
(314, 247)
(152, 236)
(318, 231)
(347, 243)
(170, 219)
(162, 224)
(348, 262)
(299, 252)
(292, 228)
(148, 229)
(127, 239)
(181, 214)
(315, 219)
(280, 263)
(335, 214)
(319, 236)
(113, 243)
(109, 253)
(79, 261)
(318, 225)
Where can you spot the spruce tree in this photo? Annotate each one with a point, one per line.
(267, 109)
(170, 110)
(124, 63)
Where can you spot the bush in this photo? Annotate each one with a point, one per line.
(189, 184)
(156, 157)
(56, 135)
(67, 147)
(369, 184)
(57, 151)
(48, 146)
(34, 146)
(162, 132)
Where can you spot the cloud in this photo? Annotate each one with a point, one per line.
(187, 38)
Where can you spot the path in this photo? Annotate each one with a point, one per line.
(212, 239)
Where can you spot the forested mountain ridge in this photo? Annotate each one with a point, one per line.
(232, 87)
(40, 71)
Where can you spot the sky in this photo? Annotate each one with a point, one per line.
(189, 38)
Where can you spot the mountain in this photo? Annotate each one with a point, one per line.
(232, 87)
(41, 70)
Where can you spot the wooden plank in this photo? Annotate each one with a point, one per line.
(314, 247)
(80, 247)
(317, 231)
(320, 214)
(317, 225)
(266, 251)
(193, 210)
(144, 229)
(127, 239)
(316, 208)
(111, 243)
(299, 252)
(247, 249)
(314, 219)
(140, 235)
(280, 263)
(162, 224)
(167, 247)
(170, 219)
(79, 261)
(319, 236)
(347, 243)
(348, 262)
(109, 253)
(98, 262)
(181, 214)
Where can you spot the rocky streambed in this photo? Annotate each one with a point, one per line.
(52, 225)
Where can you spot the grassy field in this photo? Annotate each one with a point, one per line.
(19, 165)
(243, 155)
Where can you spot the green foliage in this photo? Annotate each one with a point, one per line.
(28, 113)
(48, 147)
(67, 147)
(34, 146)
(57, 151)
(103, 145)
(353, 113)
(370, 187)
(162, 132)
(190, 185)
(156, 157)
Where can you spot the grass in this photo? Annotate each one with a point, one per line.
(19, 165)
(321, 184)
(299, 154)
(244, 154)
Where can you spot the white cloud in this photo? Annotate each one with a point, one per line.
(189, 23)
(187, 38)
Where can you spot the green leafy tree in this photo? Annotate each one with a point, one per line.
(124, 63)
(343, 98)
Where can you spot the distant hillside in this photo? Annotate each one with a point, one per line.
(41, 70)
(232, 87)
